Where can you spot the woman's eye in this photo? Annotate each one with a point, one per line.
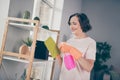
(74, 23)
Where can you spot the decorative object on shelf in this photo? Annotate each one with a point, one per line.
(102, 55)
(26, 15)
(36, 18)
(45, 27)
(24, 50)
(41, 51)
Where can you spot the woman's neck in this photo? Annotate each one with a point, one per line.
(81, 35)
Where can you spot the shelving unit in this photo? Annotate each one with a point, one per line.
(14, 56)
(29, 60)
(34, 8)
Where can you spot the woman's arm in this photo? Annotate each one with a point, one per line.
(86, 64)
(87, 61)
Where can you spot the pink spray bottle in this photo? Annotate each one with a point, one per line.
(69, 61)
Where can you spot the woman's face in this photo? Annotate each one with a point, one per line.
(75, 26)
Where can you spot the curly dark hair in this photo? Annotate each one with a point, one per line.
(83, 20)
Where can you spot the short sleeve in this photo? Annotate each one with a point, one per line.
(91, 51)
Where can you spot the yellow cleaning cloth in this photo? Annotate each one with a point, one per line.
(52, 47)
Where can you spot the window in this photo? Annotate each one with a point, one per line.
(50, 12)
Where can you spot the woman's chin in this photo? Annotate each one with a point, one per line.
(73, 32)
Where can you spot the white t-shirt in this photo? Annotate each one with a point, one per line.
(88, 48)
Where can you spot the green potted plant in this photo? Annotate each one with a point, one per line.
(102, 55)
(45, 27)
(26, 15)
(28, 42)
(36, 18)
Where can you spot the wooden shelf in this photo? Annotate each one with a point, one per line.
(11, 22)
(36, 61)
(15, 59)
(22, 26)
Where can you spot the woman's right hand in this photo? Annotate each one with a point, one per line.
(75, 53)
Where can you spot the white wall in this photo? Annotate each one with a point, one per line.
(104, 16)
(18, 7)
(4, 6)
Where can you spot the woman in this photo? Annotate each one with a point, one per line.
(81, 47)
